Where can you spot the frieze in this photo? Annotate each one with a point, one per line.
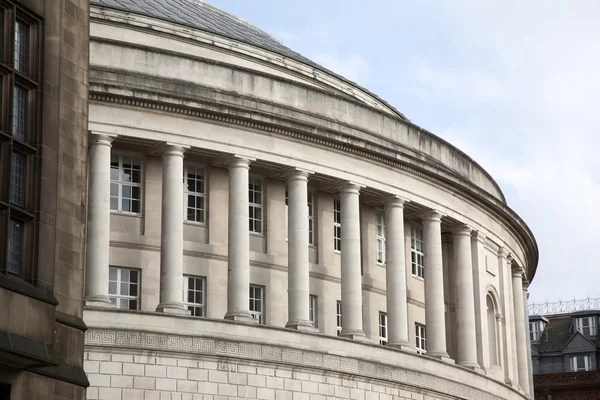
(194, 345)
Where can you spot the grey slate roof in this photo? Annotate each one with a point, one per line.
(203, 16)
(557, 333)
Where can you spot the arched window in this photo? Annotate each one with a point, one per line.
(492, 331)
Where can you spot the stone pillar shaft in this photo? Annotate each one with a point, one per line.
(171, 238)
(98, 242)
(395, 259)
(465, 301)
(522, 362)
(351, 262)
(298, 272)
(435, 318)
(507, 306)
(238, 261)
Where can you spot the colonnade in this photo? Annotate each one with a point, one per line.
(298, 261)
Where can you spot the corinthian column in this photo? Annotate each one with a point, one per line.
(435, 318)
(522, 362)
(298, 272)
(351, 277)
(395, 263)
(98, 242)
(465, 302)
(238, 246)
(171, 228)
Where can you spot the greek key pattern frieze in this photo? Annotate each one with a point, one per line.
(193, 345)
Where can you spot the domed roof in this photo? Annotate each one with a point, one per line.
(203, 16)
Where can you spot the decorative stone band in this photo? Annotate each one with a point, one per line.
(241, 352)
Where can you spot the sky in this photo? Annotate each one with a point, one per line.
(514, 84)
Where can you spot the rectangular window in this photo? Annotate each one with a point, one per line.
(256, 204)
(126, 184)
(586, 326)
(380, 235)
(123, 288)
(338, 317)
(194, 194)
(383, 332)
(421, 339)
(337, 225)
(21, 47)
(17, 177)
(19, 112)
(15, 246)
(416, 252)
(581, 363)
(194, 294)
(313, 309)
(534, 331)
(257, 303)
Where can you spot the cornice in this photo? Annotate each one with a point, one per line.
(468, 190)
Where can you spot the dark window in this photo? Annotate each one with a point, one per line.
(19, 112)
(21, 47)
(15, 246)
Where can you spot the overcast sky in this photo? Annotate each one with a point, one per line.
(514, 84)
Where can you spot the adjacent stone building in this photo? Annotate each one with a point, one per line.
(43, 184)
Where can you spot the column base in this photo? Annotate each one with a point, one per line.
(304, 326)
(98, 301)
(472, 366)
(404, 346)
(355, 335)
(173, 308)
(442, 357)
(241, 316)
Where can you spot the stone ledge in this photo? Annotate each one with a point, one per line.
(20, 286)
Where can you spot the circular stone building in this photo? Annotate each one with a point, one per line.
(260, 227)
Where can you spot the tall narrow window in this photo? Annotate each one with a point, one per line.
(194, 294)
(17, 178)
(337, 225)
(416, 252)
(311, 219)
(338, 317)
(21, 47)
(313, 309)
(421, 339)
(194, 194)
(15, 246)
(383, 330)
(126, 184)
(534, 331)
(586, 326)
(256, 205)
(380, 236)
(123, 288)
(19, 112)
(257, 303)
(492, 324)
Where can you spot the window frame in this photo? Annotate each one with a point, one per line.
(120, 183)
(257, 315)
(338, 317)
(591, 326)
(534, 331)
(253, 222)
(313, 309)
(337, 225)
(574, 362)
(194, 307)
(420, 338)
(119, 281)
(196, 194)
(416, 254)
(380, 238)
(383, 328)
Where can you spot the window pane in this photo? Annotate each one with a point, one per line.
(21, 47)
(19, 112)
(16, 179)
(15, 238)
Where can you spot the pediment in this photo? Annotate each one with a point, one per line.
(578, 343)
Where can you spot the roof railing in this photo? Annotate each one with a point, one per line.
(564, 306)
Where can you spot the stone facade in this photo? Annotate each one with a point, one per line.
(410, 242)
(41, 327)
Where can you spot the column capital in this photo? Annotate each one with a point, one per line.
(518, 272)
(296, 174)
(432, 215)
(101, 139)
(478, 236)
(461, 230)
(394, 201)
(348, 187)
(234, 161)
(173, 149)
(503, 252)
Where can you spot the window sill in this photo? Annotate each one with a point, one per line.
(337, 252)
(382, 265)
(257, 234)
(198, 224)
(18, 285)
(126, 214)
(418, 278)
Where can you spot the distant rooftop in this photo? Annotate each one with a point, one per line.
(564, 306)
